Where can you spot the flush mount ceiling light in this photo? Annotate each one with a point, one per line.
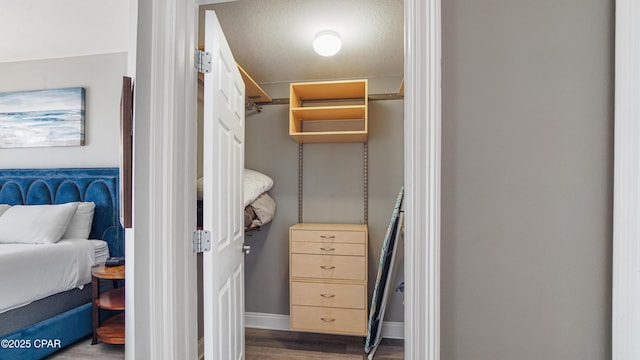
(327, 43)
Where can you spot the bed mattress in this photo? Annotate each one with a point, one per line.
(33, 271)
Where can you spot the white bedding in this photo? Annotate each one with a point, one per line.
(30, 272)
(255, 183)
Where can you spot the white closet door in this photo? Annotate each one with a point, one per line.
(223, 273)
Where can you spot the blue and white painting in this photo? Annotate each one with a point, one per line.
(36, 118)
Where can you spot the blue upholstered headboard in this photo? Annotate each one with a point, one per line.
(58, 186)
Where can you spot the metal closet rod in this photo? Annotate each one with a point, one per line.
(372, 97)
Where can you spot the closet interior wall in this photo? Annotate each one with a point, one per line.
(333, 193)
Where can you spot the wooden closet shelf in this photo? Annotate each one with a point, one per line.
(329, 112)
(253, 92)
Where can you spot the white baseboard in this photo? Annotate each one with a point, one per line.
(266, 321)
(390, 329)
(393, 330)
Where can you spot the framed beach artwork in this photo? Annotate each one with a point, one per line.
(40, 118)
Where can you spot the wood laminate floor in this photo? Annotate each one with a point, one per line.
(290, 345)
(264, 345)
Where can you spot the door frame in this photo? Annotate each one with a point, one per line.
(161, 267)
(162, 273)
(625, 317)
(422, 153)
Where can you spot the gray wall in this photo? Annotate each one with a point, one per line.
(333, 175)
(526, 179)
(101, 76)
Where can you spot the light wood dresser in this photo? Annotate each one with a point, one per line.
(328, 278)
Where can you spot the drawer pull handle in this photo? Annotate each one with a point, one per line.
(327, 267)
(327, 296)
(327, 237)
(327, 249)
(327, 319)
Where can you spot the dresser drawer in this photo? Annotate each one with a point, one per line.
(333, 320)
(301, 247)
(328, 295)
(329, 236)
(328, 267)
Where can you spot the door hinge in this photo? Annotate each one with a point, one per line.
(201, 241)
(202, 61)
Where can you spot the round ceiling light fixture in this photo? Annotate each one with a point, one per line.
(327, 43)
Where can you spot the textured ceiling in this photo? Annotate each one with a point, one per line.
(272, 39)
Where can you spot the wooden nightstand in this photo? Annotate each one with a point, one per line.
(110, 331)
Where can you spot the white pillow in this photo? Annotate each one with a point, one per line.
(255, 183)
(3, 208)
(80, 224)
(35, 224)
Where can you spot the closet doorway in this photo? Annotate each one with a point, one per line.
(263, 242)
(165, 170)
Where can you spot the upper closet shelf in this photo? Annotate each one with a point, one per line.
(330, 111)
(253, 91)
